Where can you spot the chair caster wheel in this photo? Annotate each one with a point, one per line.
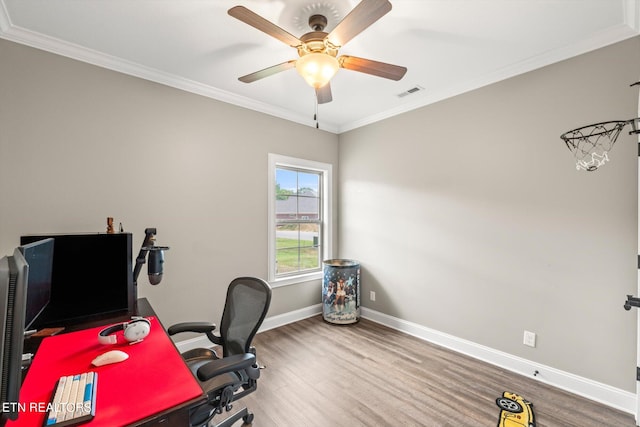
(248, 419)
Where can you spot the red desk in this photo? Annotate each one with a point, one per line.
(153, 380)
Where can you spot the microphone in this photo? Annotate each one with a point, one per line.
(156, 260)
(154, 266)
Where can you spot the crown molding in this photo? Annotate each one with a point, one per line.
(11, 32)
(14, 33)
(632, 14)
(600, 40)
(5, 22)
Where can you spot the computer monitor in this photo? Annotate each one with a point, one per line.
(39, 257)
(92, 277)
(14, 273)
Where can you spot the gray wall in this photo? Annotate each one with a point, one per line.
(469, 217)
(79, 143)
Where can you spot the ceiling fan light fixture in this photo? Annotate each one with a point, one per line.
(317, 68)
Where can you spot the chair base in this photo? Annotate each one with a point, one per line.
(244, 414)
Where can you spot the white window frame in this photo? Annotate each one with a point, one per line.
(275, 161)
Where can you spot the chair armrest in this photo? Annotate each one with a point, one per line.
(233, 363)
(197, 327)
(200, 327)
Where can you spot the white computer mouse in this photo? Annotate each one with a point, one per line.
(111, 356)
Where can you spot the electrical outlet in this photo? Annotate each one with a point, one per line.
(529, 339)
(372, 295)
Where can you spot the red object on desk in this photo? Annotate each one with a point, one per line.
(154, 378)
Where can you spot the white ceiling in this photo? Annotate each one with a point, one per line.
(448, 46)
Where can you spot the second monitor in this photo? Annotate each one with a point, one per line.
(92, 277)
(39, 256)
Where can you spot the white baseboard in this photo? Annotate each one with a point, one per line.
(599, 392)
(290, 317)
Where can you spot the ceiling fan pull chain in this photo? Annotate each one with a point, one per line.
(315, 115)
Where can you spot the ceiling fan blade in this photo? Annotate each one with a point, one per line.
(269, 71)
(375, 68)
(363, 15)
(256, 21)
(323, 94)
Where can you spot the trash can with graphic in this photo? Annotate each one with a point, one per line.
(341, 291)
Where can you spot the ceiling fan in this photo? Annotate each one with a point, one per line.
(318, 50)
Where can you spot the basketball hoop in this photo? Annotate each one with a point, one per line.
(591, 144)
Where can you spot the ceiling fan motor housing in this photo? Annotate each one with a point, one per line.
(316, 42)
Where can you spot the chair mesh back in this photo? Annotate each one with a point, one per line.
(248, 300)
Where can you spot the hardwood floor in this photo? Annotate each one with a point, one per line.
(366, 374)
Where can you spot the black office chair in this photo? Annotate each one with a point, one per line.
(234, 375)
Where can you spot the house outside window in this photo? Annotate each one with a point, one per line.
(299, 219)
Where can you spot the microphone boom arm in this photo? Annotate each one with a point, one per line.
(149, 239)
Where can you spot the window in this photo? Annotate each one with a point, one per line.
(299, 219)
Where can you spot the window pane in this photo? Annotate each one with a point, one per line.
(297, 235)
(309, 258)
(308, 184)
(308, 196)
(286, 207)
(297, 247)
(287, 236)
(308, 208)
(287, 260)
(297, 259)
(309, 235)
(286, 182)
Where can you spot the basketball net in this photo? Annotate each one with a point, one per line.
(591, 144)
